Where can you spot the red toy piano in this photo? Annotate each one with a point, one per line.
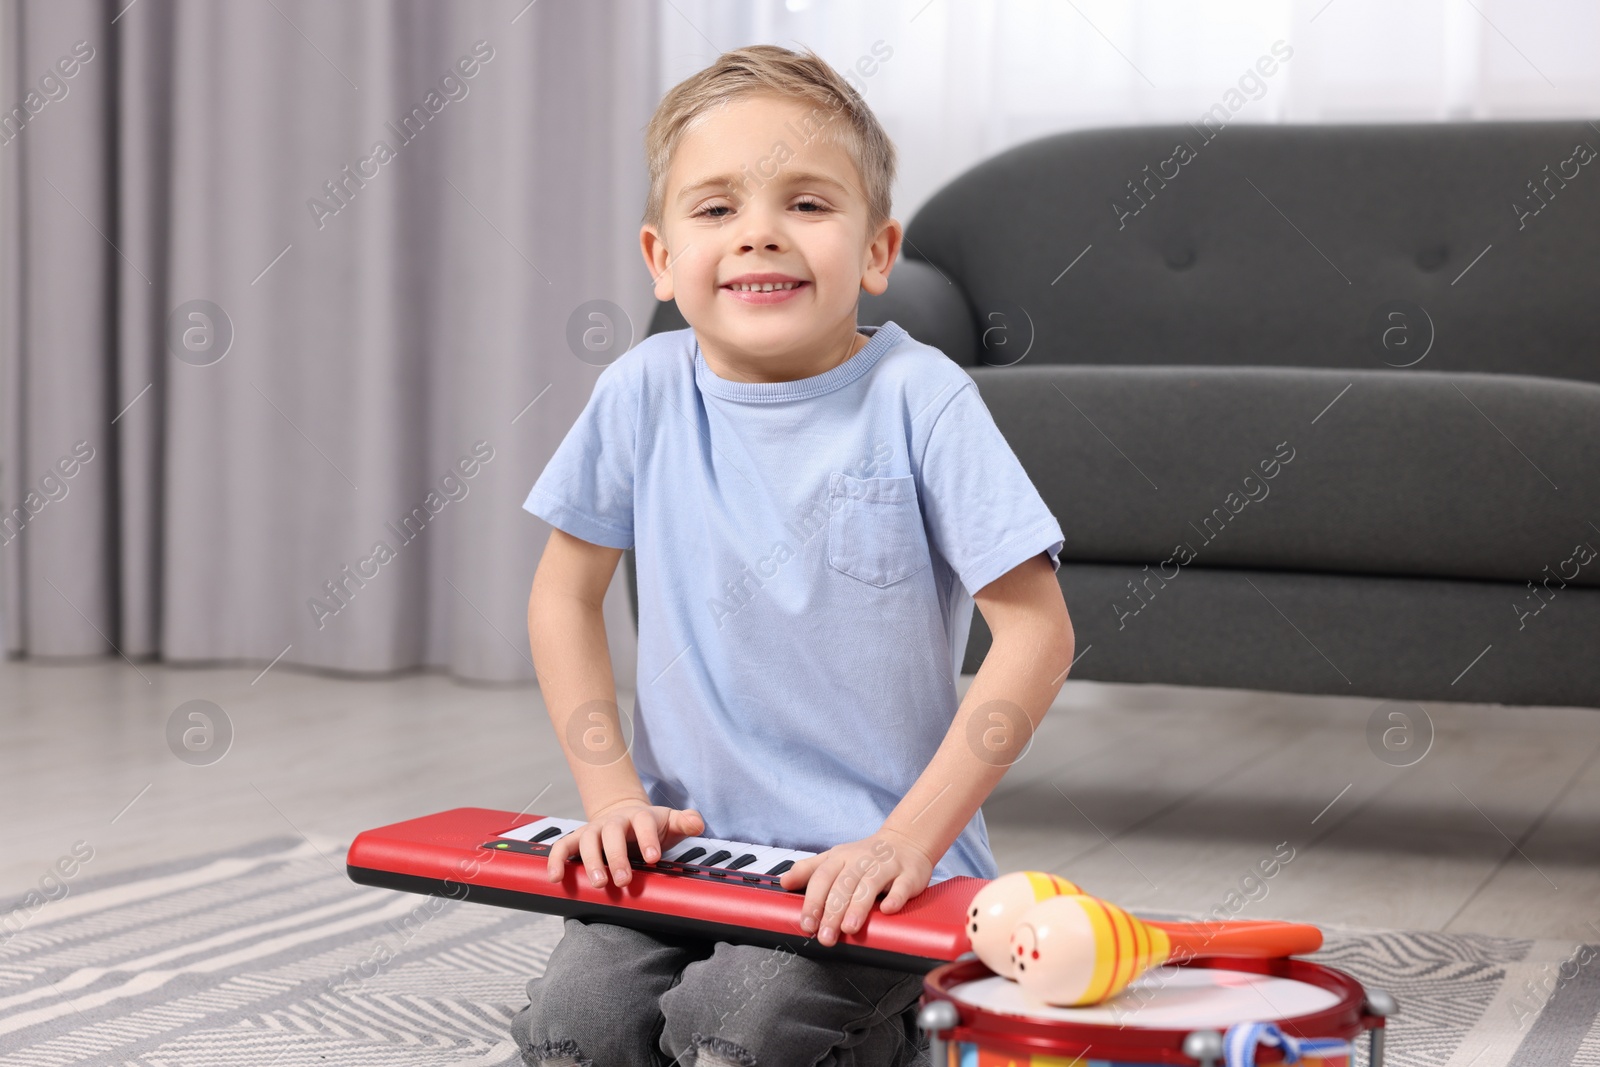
(726, 890)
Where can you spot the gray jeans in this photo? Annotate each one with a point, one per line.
(616, 997)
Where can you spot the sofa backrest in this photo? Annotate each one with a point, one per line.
(1456, 246)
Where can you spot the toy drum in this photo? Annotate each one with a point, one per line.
(1209, 1010)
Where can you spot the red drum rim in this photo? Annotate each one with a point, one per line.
(1017, 1035)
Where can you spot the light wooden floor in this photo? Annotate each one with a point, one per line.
(1153, 796)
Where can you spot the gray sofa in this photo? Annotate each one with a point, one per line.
(1318, 408)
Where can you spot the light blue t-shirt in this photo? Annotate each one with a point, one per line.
(806, 553)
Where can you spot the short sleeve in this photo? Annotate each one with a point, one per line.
(587, 487)
(981, 508)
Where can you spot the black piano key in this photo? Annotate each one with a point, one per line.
(546, 835)
(689, 856)
(780, 868)
(743, 861)
(716, 858)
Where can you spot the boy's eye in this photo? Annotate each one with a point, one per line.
(715, 211)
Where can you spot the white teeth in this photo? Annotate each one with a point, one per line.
(764, 287)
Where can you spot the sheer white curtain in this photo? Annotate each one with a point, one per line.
(955, 81)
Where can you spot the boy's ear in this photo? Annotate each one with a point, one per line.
(881, 256)
(654, 247)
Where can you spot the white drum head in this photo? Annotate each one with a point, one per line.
(1165, 998)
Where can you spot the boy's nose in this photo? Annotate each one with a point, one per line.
(758, 228)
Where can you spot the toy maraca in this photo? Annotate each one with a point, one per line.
(1075, 949)
(997, 908)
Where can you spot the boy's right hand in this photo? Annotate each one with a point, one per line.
(653, 826)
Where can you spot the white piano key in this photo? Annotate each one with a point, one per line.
(539, 826)
(522, 833)
(795, 854)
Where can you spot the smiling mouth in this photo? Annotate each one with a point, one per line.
(764, 287)
(760, 294)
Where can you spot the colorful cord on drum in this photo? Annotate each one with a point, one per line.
(1239, 1044)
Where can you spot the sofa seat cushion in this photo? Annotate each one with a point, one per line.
(1484, 476)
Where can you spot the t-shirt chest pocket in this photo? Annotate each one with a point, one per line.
(875, 531)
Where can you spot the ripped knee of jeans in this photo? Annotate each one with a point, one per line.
(720, 1052)
(557, 1053)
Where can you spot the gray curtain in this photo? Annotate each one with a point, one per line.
(241, 346)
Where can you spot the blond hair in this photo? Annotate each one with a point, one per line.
(769, 69)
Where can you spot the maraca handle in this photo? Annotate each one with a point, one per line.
(1260, 940)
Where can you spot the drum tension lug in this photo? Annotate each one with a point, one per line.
(1381, 1004)
(1204, 1046)
(937, 1019)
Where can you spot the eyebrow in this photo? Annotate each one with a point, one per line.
(729, 180)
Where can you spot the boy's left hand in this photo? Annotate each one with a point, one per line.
(842, 883)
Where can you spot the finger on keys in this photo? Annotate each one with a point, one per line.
(687, 822)
(644, 831)
(589, 849)
(799, 873)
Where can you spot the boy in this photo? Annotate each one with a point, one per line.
(811, 505)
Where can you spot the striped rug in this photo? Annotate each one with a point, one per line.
(268, 956)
